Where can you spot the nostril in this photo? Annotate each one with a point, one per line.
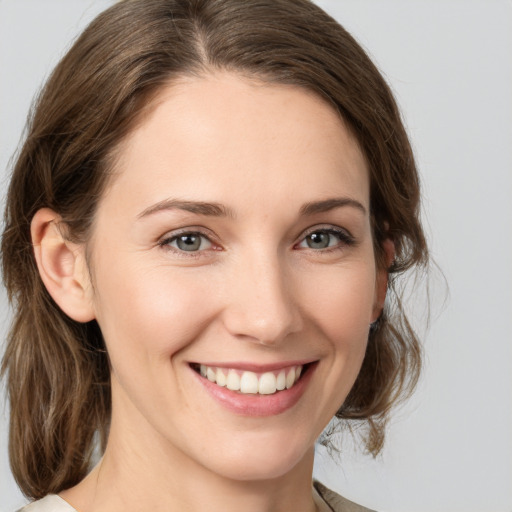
(263, 310)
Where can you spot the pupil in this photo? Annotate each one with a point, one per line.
(318, 240)
(189, 242)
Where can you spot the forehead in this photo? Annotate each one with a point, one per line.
(224, 137)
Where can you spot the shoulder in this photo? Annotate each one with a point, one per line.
(335, 502)
(329, 499)
(50, 503)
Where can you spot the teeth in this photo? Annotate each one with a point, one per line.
(251, 383)
(290, 378)
(281, 381)
(267, 384)
(233, 381)
(211, 374)
(221, 378)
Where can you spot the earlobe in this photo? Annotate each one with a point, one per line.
(62, 266)
(381, 284)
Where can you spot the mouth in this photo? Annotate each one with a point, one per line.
(252, 390)
(247, 382)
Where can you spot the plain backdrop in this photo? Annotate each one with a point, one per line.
(450, 65)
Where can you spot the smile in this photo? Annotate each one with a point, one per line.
(249, 390)
(247, 382)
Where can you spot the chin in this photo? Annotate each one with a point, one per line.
(264, 459)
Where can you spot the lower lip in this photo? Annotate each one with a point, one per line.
(258, 405)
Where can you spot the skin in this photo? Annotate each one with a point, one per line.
(254, 292)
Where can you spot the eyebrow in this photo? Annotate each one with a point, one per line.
(330, 204)
(198, 207)
(220, 210)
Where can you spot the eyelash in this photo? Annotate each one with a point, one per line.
(168, 240)
(345, 239)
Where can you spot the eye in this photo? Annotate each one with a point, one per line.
(325, 239)
(188, 242)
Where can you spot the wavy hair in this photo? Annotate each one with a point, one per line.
(56, 369)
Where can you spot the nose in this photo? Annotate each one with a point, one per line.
(260, 305)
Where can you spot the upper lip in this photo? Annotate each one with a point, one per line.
(255, 367)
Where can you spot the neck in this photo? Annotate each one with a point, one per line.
(142, 472)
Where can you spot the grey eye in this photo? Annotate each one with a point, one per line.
(326, 238)
(190, 242)
(320, 240)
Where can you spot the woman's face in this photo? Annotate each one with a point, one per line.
(235, 243)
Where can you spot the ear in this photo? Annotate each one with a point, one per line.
(381, 283)
(62, 266)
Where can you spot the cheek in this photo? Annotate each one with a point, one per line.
(155, 312)
(341, 302)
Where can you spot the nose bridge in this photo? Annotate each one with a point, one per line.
(262, 305)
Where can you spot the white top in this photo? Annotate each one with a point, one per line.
(50, 503)
(54, 503)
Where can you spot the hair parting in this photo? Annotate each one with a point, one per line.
(56, 369)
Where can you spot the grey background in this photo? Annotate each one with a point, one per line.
(449, 63)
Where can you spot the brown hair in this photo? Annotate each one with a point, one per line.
(57, 369)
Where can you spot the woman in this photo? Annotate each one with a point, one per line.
(202, 232)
